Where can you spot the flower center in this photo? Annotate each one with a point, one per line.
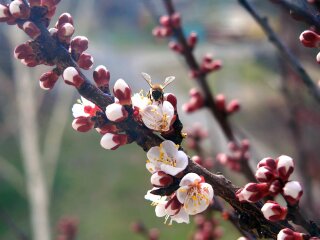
(165, 159)
(196, 194)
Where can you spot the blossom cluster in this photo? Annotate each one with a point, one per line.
(273, 179)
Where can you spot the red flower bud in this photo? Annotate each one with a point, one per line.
(82, 124)
(252, 192)
(192, 39)
(288, 234)
(85, 61)
(285, 167)
(273, 211)
(72, 77)
(171, 98)
(48, 80)
(268, 162)
(309, 38)
(101, 76)
(233, 106)
(18, 9)
(79, 44)
(112, 141)
(292, 192)
(31, 29)
(122, 91)
(264, 174)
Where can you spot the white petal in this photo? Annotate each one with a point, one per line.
(86, 102)
(160, 210)
(207, 190)
(154, 154)
(78, 111)
(114, 112)
(267, 210)
(292, 189)
(151, 167)
(182, 193)
(107, 141)
(193, 207)
(189, 179)
(168, 109)
(170, 148)
(182, 160)
(171, 170)
(181, 217)
(152, 117)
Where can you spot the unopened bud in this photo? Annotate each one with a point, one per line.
(18, 9)
(220, 102)
(273, 211)
(264, 174)
(175, 47)
(171, 98)
(64, 18)
(268, 162)
(292, 192)
(31, 29)
(161, 179)
(285, 167)
(48, 80)
(288, 234)
(72, 77)
(101, 76)
(82, 124)
(4, 13)
(79, 44)
(112, 141)
(165, 21)
(122, 92)
(309, 38)
(192, 39)
(252, 192)
(233, 106)
(65, 31)
(116, 112)
(85, 61)
(176, 20)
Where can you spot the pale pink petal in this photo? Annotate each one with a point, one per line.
(189, 178)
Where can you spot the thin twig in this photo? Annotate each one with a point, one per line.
(221, 117)
(285, 52)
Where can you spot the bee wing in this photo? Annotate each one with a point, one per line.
(147, 77)
(168, 80)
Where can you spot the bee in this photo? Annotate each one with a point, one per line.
(155, 93)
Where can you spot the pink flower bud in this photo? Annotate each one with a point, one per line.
(288, 234)
(101, 76)
(176, 20)
(275, 187)
(196, 101)
(23, 51)
(85, 61)
(171, 98)
(161, 179)
(157, 31)
(309, 38)
(220, 101)
(82, 124)
(79, 44)
(4, 13)
(233, 106)
(122, 91)
(112, 141)
(173, 206)
(292, 192)
(116, 112)
(48, 80)
(252, 192)
(66, 30)
(165, 21)
(64, 18)
(264, 174)
(192, 39)
(18, 9)
(72, 77)
(273, 211)
(176, 47)
(285, 167)
(268, 162)
(31, 29)
(197, 159)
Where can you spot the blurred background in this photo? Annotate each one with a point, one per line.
(104, 190)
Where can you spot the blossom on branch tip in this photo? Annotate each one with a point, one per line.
(166, 158)
(122, 92)
(112, 141)
(194, 193)
(158, 117)
(273, 211)
(84, 108)
(115, 112)
(288, 234)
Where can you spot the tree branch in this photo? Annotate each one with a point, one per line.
(284, 51)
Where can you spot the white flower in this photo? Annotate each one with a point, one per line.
(155, 199)
(158, 117)
(84, 108)
(194, 194)
(166, 158)
(140, 101)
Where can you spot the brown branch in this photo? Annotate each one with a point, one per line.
(303, 10)
(220, 116)
(284, 51)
